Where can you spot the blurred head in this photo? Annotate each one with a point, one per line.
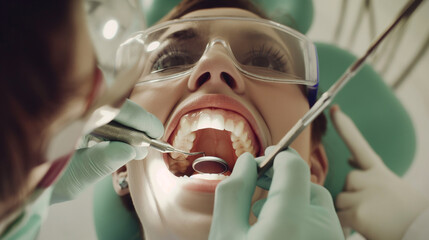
(219, 110)
(48, 79)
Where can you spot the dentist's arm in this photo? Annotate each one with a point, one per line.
(376, 203)
(89, 165)
(295, 207)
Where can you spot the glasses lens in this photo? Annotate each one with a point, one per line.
(273, 54)
(173, 50)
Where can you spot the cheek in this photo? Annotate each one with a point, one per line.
(281, 106)
(158, 98)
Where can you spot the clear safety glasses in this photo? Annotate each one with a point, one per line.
(260, 49)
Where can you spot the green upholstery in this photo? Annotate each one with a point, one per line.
(297, 14)
(111, 219)
(375, 110)
(154, 10)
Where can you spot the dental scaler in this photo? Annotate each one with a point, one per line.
(115, 131)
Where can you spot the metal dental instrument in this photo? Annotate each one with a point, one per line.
(210, 164)
(329, 95)
(115, 131)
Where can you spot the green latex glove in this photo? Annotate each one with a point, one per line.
(295, 208)
(89, 165)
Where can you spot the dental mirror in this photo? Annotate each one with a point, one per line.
(210, 164)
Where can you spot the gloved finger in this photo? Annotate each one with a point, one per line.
(290, 186)
(269, 149)
(348, 200)
(356, 180)
(233, 199)
(348, 218)
(134, 116)
(141, 153)
(291, 176)
(257, 206)
(320, 196)
(106, 157)
(259, 160)
(364, 155)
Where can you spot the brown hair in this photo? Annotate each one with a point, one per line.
(35, 50)
(188, 6)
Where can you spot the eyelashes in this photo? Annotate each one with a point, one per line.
(179, 56)
(267, 57)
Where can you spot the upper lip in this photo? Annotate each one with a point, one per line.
(214, 101)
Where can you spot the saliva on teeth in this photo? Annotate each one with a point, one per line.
(207, 176)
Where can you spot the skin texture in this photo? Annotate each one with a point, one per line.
(81, 73)
(165, 208)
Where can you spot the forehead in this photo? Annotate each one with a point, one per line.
(228, 12)
(236, 12)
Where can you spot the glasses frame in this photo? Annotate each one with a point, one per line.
(310, 56)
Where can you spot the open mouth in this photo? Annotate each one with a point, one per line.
(217, 132)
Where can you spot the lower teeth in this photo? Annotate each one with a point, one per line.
(209, 176)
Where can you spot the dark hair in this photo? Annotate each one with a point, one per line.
(187, 6)
(35, 49)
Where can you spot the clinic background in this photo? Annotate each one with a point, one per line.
(111, 20)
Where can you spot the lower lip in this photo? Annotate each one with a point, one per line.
(201, 185)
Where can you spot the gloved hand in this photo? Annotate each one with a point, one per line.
(295, 208)
(375, 202)
(91, 164)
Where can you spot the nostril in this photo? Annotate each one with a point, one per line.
(203, 78)
(228, 80)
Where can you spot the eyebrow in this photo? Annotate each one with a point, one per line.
(184, 34)
(253, 34)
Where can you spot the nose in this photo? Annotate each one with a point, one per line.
(216, 69)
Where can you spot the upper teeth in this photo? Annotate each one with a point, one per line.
(215, 119)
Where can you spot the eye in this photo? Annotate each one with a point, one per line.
(171, 57)
(265, 57)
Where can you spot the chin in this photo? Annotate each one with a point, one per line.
(166, 208)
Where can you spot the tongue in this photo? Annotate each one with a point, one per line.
(215, 143)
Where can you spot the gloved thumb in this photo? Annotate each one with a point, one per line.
(233, 200)
(89, 165)
(364, 156)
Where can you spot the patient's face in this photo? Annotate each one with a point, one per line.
(216, 110)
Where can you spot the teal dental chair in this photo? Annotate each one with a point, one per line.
(366, 99)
